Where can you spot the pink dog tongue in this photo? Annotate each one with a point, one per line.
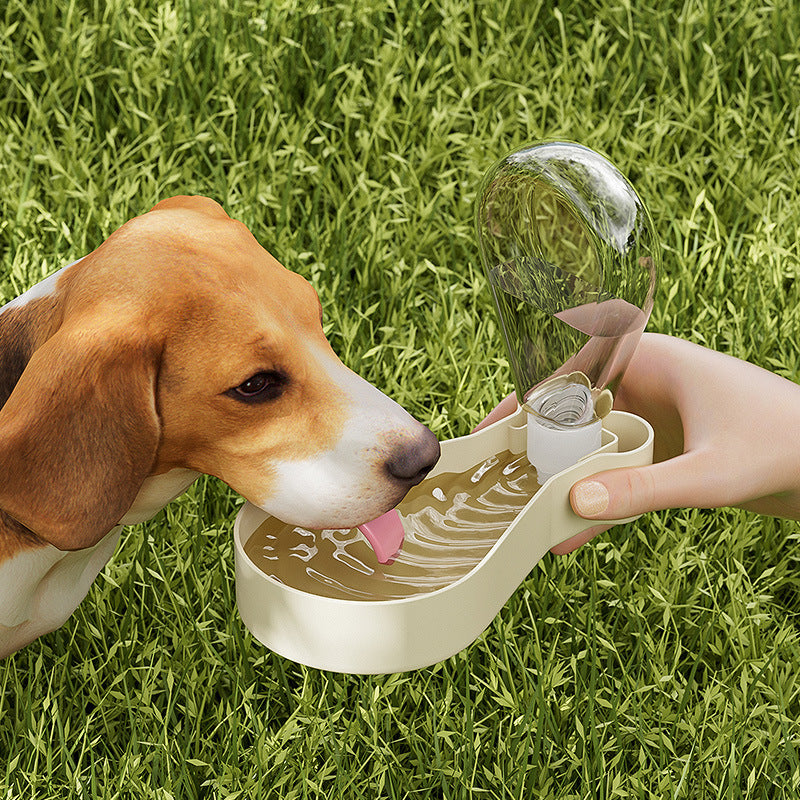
(385, 534)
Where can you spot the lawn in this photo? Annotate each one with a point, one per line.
(660, 661)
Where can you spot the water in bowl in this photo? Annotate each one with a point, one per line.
(451, 521)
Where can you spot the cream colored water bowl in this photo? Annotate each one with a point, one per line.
(376, 636)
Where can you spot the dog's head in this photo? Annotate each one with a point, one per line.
(181, 343)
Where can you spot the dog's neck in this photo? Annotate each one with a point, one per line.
(41, 587)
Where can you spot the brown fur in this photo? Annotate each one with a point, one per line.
(22, 330)
(121, 373)
(14, 538)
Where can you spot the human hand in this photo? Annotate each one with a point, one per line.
(726, 434)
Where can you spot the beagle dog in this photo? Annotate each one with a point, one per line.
(178, 347)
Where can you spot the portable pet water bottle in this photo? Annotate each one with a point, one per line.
(572, 260)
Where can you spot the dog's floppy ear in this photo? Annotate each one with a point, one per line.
(79, 435)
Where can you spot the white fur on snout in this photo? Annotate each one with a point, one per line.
(348, 484)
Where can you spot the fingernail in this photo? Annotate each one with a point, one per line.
(590, 498)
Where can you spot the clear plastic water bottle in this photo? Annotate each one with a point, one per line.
(572, 259)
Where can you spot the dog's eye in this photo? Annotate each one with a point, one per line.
(260, 387)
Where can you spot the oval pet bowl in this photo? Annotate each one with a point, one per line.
(384, 636)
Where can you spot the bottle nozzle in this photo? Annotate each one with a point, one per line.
(563, 425)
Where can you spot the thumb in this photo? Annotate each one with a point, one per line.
(620, 493)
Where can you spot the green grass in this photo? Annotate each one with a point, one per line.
(660, 661)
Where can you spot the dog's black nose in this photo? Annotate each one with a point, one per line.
(412, 461)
